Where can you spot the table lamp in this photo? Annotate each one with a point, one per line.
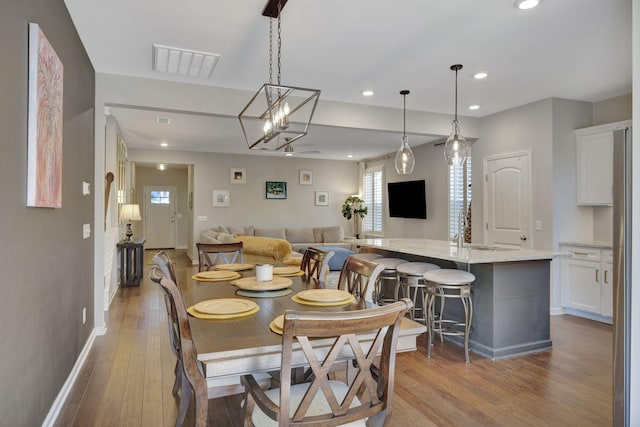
(129, 213)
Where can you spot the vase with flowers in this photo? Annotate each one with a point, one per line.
(354, 208)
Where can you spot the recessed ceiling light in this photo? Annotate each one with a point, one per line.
(474, 107)
(526, 4)
(288, 154)
(350, 156)
(162, 166)
(481, 75)
(164, 144)
(367, 92)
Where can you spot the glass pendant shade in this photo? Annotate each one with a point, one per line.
(456, 148)
(405, 161)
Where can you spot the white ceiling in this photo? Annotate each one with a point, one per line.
(574, 49)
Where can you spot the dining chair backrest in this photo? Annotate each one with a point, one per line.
(210, 254)
(164, 268)
(358, 276)
(315, 263)
(325, 338)
(193, 375)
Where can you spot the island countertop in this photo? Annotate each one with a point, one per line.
(470, 254)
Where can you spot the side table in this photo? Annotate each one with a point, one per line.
(131, 261)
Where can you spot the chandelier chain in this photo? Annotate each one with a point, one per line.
(270, 50)
(279, 40)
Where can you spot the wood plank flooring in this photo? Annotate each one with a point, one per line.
(128, 376)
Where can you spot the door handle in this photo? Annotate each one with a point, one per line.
(523, 237)
(597, 275)
(606, 282)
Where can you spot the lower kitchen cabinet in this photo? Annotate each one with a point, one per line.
(587, 282)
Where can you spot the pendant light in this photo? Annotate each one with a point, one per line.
(276, 109)
(456, 148)
(405, 160)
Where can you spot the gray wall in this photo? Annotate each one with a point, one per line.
(47, 268)
(248, 205)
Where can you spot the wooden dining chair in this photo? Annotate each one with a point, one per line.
(358, 276)
(210, 254)
(319, 340)
(315, 263)
(192, 382)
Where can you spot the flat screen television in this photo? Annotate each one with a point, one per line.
(407, 199)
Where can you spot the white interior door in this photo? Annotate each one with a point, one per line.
(508, 199)
(160, 217)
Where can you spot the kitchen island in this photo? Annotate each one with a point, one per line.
(511, 293)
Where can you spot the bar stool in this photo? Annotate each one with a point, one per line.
(388, 275)
(448, 283)
(411, 283)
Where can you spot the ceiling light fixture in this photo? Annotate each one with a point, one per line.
(474, 107)
(162, 166)
(277, 115)
(405, 160)
(526, 4)
(456, 148)
(164, 144)
(367, 93)
(481, 75)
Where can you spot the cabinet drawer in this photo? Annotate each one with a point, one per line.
(581, 252)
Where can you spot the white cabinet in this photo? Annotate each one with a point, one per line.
(587, 282)
(594, 150)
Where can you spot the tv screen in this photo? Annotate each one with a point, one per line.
(407, 199)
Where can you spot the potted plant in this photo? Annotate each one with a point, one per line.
(355, 208)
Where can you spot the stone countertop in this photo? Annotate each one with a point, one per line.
(591, 244)
(470, 254)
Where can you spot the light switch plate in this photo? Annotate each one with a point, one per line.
(86, 188)
(202, 218)
(538, 225)
(86, 231)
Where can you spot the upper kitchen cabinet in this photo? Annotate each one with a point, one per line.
(594, 148)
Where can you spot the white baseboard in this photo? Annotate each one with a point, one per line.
(557, 311)
(113, 295)
(71, 379)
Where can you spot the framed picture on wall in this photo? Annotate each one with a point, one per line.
(220, 198)
(306, 178)
(276, 190)
(322, 198)
(238, 176)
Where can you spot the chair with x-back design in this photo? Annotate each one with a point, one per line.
(315, 263)
(358, 276)
(320, 340)
(210, 254)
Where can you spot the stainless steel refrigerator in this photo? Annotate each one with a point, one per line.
(621, 275)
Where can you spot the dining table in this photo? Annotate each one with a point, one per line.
(229, 348)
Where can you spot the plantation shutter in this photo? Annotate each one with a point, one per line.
(459, 178)
(373, 201)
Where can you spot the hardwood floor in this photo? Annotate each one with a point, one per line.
(128, 376)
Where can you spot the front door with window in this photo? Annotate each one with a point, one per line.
(160, 217)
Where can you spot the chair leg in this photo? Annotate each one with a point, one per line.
(430, 324)
(468, 315)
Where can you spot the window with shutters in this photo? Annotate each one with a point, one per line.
(460, 179)
(372, 185)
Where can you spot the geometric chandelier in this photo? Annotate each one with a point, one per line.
(277, 115)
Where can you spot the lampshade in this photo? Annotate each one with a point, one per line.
(404, 160)
(130, 212)
(456, 148)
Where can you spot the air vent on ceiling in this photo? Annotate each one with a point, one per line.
(163, 120)
(184, 62)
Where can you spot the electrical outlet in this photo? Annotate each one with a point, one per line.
(84, 315)
(86, 188)
(538, 225)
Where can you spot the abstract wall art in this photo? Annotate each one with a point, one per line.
(44, 169)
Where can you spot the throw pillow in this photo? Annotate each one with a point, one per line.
(235, 230)
(226, 238)
(332, 234)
